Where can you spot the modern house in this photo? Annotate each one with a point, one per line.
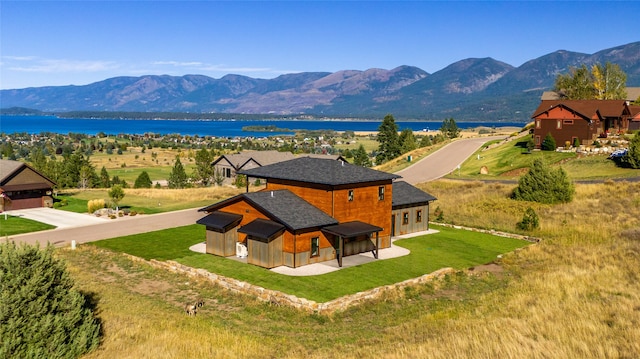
(581, 120)
(23, 187)
(313, 210)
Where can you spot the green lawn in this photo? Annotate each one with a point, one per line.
(16, 225)
(449, 248)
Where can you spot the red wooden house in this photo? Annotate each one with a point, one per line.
(23, 187)
(313, 210)
(581, 120)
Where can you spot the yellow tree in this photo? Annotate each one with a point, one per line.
(609, 82)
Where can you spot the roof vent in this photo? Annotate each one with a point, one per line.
(271, 193)
(342, 162)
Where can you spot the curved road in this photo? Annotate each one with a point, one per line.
(444, 161)
(430, 168)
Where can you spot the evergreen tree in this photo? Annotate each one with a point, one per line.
(361, 158)
(450, 128)
(549, 143)
(204, 170)
(544, 185)
(105, 182)
(388, 139)
(177, 177)
(632, 157)
(530, 220)
(407, 141)
(143, 181)
(42, 315)
(426, 141)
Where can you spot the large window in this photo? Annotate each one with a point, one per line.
(227, 172)
(381, 193)
(315, 246)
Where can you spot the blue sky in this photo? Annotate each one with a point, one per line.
(52, 43)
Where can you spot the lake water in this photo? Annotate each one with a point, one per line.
(218, 128)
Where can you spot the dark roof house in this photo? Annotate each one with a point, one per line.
(313, 210)
(22, 187)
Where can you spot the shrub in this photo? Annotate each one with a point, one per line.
(42, 315)
(544, 185)
(632, 157)
(549, 143)
(143, 181)
(439, 213)
(530, 220)
(95, 204)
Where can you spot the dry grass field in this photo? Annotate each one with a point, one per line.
(576, 294)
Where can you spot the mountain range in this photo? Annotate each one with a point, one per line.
(481, 89)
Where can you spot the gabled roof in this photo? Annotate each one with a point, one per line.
(587, 109)
(262, 158)
(282, 206)
(319, 171)
(635, 112)
(405, 194)
(10, 169)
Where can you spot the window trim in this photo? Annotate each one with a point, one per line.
(350, 195)
(381, 193)
(419, 216)
(315, 244)
(405, 218)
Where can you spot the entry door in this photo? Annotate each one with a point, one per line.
(393, 225)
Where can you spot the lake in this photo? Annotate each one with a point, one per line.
(218, 128)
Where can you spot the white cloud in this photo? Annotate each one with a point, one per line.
(34, 64)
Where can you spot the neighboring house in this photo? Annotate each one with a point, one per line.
(634, 118)
(23, 187)
(584, 120)
(313, 210)
(228, 165)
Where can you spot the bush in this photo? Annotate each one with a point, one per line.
(549, 143)
(632, 157)
(95, 204)
(530, 220)
(41, 314)
(544, 185)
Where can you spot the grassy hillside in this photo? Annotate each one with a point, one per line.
(574, 295)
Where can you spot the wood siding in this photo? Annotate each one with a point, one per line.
(222, 244)
(565, 125)
(365, 207)
(263, 254)
(412, 225)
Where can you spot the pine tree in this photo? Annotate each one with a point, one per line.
(407, 141)
(361, 158)
(632, 157)
(143, 181)
(549, 143)
(449, 128)
(544, 185)
(204, 170)
(388, 139)
(105, 182)
(42, 315)
(178, 177)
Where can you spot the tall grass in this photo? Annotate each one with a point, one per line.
(576, 294)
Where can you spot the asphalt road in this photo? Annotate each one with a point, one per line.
(430, 168)
(444, 161)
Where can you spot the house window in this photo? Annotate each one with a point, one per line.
(567, 122)
(537, 123)
(315, 246)
(537, 140)
(559, 124)
(227, 172)
(405, 217)
(419, 216)
(381, 193)
(350, 195)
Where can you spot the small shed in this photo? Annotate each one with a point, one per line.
(264, 242)
(222, 232)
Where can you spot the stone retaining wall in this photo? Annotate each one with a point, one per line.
(279, 298)
(491, 231)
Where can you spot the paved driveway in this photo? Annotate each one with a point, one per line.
(444, 161)
(56, 217)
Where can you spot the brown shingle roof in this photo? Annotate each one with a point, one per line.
(588, 109)
(263, 158)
